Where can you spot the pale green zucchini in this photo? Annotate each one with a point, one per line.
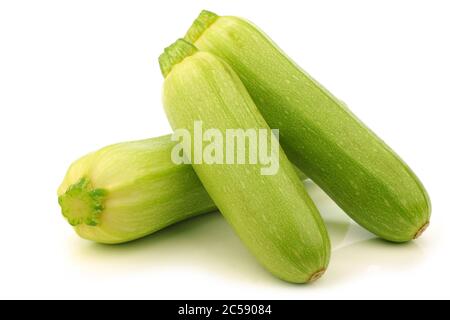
(272, 214)
(129, 190)
(318, 133)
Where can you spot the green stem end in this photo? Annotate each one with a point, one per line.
(203, 22)
(184, 48)
(82, 204)
(174, 55)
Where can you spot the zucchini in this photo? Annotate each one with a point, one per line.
(319, 133)
(129, 190)
(272, 214)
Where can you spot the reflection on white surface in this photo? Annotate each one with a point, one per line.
(370, 255)
(205, 242)
(208, 243)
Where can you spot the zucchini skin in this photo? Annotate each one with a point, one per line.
(320, 135)
(144, 190)
(273, 215)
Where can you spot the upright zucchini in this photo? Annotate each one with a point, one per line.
(129, 190)
(318, 133)
(272, 214)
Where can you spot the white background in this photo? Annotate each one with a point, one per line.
(79, 75)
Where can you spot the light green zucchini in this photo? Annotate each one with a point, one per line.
(272, 214)
(129, 190)
(318, 133)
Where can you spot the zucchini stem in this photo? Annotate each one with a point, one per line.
(203, 22)
(174, 55)
(82, 204)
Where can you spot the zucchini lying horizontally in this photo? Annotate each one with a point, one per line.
(318, 133)
(272, 214)
(128, 190)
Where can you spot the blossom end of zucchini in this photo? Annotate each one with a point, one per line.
(421, 231)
